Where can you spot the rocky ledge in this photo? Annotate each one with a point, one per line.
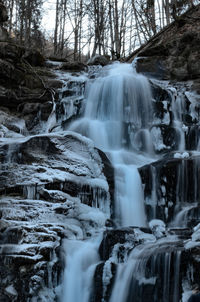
(50, 189)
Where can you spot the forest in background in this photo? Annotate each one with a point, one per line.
(83, 28)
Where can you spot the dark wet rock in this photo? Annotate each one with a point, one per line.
(160, 260)
(111, 238)
(181, 232)
(98, 60)
(152, 67)
(108, 171)
(35, 113)
(102, 291)
(176, 259)
(73, 66)
(120, 236)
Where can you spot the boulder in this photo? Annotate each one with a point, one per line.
(73, 66)
(98, 60)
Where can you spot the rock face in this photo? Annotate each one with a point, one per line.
(28, 90)
(170, 183)
(47, 185)
(177, 58)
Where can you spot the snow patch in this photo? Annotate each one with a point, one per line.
(11, 291)
(181, 155)
(158, 228)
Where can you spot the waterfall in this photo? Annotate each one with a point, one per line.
(119, 117)
(82, 257)
(118, 108)
(145, 270)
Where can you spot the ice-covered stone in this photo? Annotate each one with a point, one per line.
(158, 228)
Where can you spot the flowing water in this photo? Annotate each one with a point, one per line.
(118, 118)
(118, 106)
(82, 257)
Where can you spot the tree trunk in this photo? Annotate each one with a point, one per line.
(117, 42)
(167, 11)
(56, 29)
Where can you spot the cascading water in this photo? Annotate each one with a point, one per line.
(119, 117)
(82, 257)
(118, 108)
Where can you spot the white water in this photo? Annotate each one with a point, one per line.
(119, 109)
(117, 118)
(82, 258)
(178, 104)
